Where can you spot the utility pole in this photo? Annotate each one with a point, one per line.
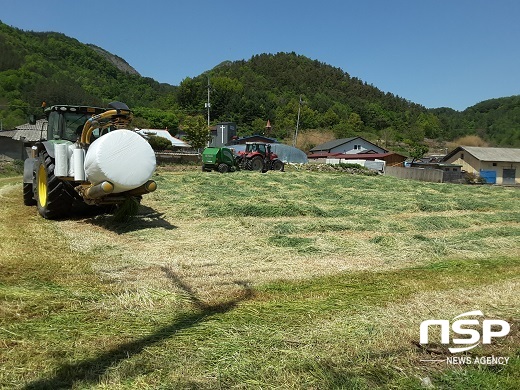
(297, 121)
(208, 104)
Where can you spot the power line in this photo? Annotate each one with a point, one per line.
(18, 106)
(208, 104)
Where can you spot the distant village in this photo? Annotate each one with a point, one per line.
(489, 165)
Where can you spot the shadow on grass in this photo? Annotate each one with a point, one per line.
(147, 218)
(92, 370)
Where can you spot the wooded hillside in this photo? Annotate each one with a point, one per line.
(51, 67)
(269, 86)
(494, 120)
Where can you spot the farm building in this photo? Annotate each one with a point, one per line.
(390, 158)
(15, 144)
(450, 172)
(352, 145)
(495, 165)
(222, 133)
(355, 148)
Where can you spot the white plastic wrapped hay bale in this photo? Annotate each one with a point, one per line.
(122, 157)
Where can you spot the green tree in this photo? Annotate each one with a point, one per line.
(330, 118)
(387, 135)
(156, 118)
(355, 122)
(343, 130)
(159, 143)
(258, 126)
(429, 124)
(417, 150)
(197, 132)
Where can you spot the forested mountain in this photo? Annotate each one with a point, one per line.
(269, 86)
(494, 120)
(51, 67)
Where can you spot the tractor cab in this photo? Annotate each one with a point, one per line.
(263, 149)
(66, 122)
(257, 149)
(254, 147)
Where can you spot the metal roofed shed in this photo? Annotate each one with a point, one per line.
(511, 155)
(28, 132)
(164, 134)
(495, 165)
(16, 144)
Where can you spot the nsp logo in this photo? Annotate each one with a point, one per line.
(490, 329)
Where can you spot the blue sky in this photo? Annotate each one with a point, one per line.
(438, 53)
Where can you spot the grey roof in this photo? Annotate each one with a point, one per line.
(489, 154)
(164, 134)
(328, 146)
(30, 133)
(7, 133)
(332, 144)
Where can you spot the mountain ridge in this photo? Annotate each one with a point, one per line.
(37, 66)
(119, 62)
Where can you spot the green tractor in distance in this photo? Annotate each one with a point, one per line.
(218, 159)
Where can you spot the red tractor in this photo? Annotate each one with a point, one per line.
(258, 157)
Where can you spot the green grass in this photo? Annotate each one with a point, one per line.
(11, 168)
(282, 280)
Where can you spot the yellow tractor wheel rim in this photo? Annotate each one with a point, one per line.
(42, 185)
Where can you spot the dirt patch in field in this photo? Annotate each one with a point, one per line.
(211, 256)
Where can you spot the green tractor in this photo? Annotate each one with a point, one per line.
(218, 159)
(88, 159)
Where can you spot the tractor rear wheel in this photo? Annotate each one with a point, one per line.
(54, 197)
(256, 164)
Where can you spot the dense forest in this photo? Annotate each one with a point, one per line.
(270, 87)
(51, 67)
(495, 120)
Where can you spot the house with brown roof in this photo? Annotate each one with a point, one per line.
(495, 165)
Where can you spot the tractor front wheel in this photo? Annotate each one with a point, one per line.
(277, 165)
(28, 195)
(53, 196)
(223, 168)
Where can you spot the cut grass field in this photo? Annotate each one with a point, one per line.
(281, 280)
